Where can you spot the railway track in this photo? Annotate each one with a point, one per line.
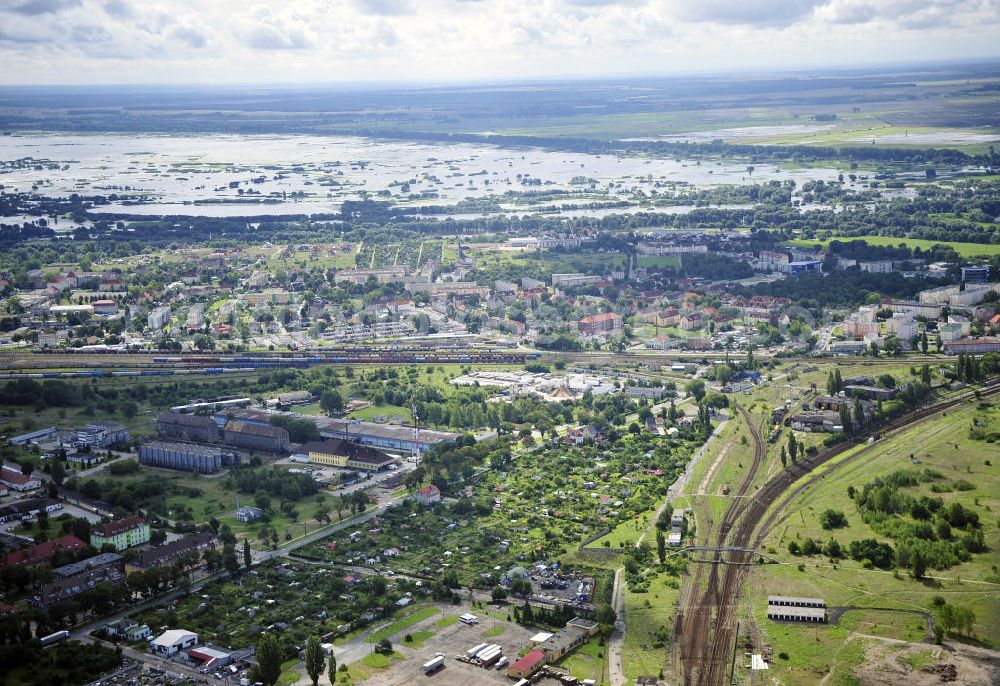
(696, 619)
(707, 645)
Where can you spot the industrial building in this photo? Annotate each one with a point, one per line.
(187, 427)
(173, 641)
(384, 436)
(795, 609)
(339, 453)
(271, 439)
(103, 435)
(976, 274)
(188, 457)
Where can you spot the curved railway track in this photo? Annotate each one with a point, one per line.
(695, 623)
(705, 654)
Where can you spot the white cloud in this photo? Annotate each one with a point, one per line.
(311, 40)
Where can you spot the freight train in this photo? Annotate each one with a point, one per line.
(200, 364)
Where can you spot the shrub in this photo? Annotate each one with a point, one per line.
(832, 519)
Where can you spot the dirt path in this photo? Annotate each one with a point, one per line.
(615, 672)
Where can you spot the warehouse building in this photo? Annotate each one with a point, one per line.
(271, 439)
(173, 641)
(795, 609)
(384, 436)
(187, 457)
(527, 665)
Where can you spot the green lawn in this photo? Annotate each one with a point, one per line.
(418, 638)
(385, 410)
(445, 622)
(589, 661)
(646, 614)
(963, 249)
(942, 444)
(402, 623)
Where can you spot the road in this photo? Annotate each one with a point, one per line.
(615, 671)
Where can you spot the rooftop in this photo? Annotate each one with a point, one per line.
(119, 526)
(352, 451)
(42, 551)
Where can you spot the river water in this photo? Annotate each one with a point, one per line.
(203, 175)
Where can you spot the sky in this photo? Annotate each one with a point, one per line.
(427, 41)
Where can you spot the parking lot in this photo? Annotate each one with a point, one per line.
(453, 641)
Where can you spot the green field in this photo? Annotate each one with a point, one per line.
(963, 249)
(372, 411)
(650, 618)
(402, 623)
(942, 444)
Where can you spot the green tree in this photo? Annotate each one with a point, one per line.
(793, 447)
(58, 471)
(696, 388)
(314, 659)
(331, 669)
(661, 547)
(784, 457)
(247, 555)
(331, 401)
(919, 564)
(269, 659)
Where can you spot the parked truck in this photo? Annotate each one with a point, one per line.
(434, 664)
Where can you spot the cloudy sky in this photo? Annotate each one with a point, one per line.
(269, 41)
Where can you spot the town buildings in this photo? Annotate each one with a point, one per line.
(121, 533)
(192, 545)
(601, 324)
(16, 481)
(41, 552)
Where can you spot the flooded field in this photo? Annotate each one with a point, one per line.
(231, 175)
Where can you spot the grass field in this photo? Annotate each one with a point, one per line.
(963, 249)
(647, 614)
(589, 661)
(942, 444)
(402, 623)
(372, 411)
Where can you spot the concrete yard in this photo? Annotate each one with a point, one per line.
(453, 641)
